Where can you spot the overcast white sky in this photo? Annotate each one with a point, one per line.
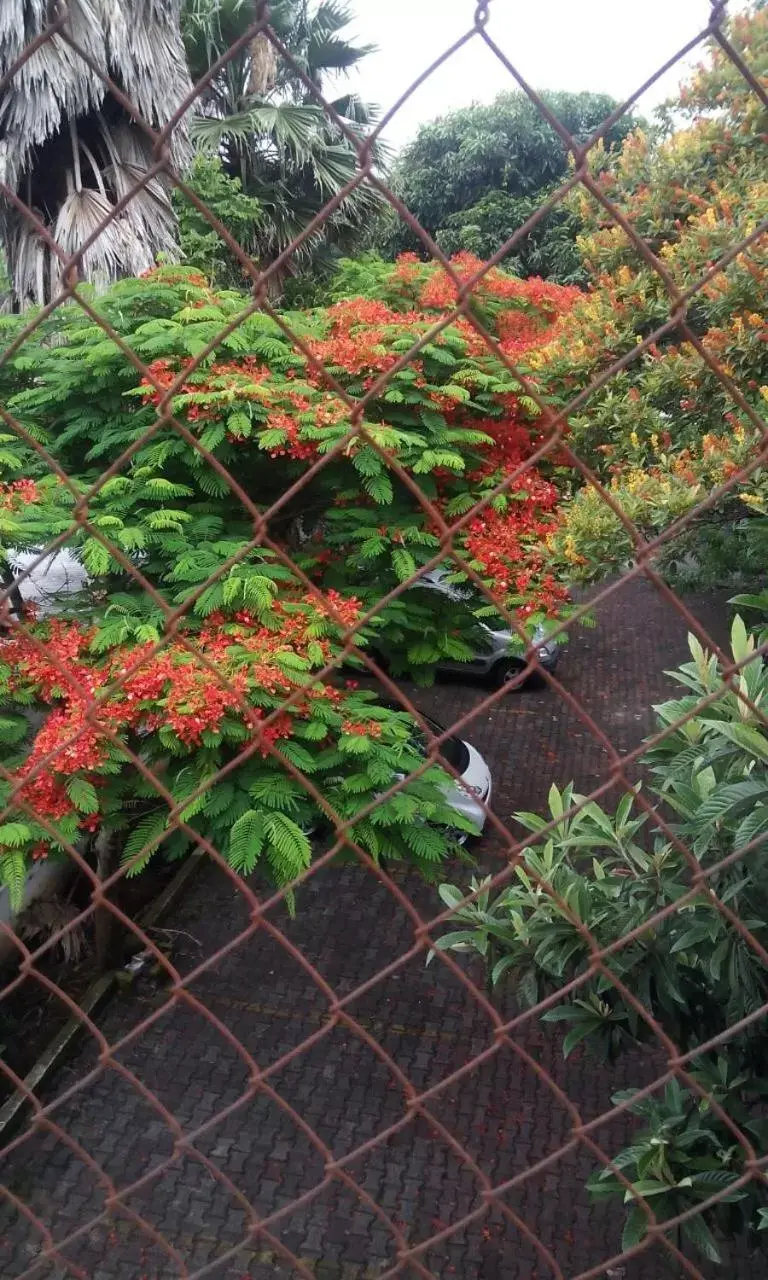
(608, 46)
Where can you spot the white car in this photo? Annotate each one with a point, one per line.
(474, 783)
(495, 657)
(59, 574)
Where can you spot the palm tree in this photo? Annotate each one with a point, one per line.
(69, 149)
(266, 125)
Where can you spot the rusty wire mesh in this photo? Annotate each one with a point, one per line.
(120, 1200)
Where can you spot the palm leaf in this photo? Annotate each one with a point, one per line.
(210, 27)
(355, 110)
(287, 152)
(290, 125)
(81, 215)
(326, 49)
(328, 53)
(149, 211)
(332, 167)
(28, 263)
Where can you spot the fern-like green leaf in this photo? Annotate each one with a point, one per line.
(276, 791)
(403, 564)
(144, 839)
(13, 876)
(288, 850)
(14, 834)
(83, 795)
(96, 558)
(246, 841)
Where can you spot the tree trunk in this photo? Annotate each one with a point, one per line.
(104, 922)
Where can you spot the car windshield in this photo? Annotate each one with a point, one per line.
(453, 750)
(465, 596)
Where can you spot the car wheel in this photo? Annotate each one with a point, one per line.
(507, 669)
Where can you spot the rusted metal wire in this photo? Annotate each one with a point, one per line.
(410, 1255)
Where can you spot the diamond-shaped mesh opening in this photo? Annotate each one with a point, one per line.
(283, 1087)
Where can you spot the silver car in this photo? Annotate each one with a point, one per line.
(495, 657)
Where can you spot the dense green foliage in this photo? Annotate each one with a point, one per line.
(201, 246)
(598, 877)
(663, 435)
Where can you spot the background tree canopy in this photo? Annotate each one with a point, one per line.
(474, 176)
(667, 432)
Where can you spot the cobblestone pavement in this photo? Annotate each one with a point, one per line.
(350, 927)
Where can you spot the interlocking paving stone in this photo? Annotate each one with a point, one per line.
(349, 926)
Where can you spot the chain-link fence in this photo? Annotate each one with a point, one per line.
(222, 1133)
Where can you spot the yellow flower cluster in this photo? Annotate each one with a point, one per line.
(569, 551)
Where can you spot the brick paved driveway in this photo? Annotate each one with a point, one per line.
(350, 927)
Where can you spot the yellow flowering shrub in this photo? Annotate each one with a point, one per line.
(592, 540)
(666, 430)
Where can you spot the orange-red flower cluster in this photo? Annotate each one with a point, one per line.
(511, 547)
(189, 688)
(358, 729)
(18, 494)
(241, 380)
(360, 334)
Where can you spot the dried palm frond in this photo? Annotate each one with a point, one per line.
(44, 918)
(29, 265)
(136, 42)
(82, 214)
(149, 211)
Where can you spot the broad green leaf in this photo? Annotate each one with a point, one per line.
(696, 1230)
(751, 740)
(635, 1227)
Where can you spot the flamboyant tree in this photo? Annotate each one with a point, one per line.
(254, 628)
